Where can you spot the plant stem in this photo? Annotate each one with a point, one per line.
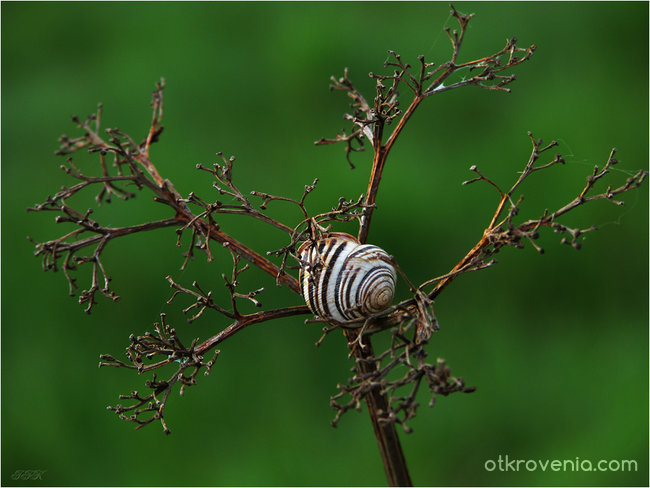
(378, 163)
(390, 448)
(388, 442)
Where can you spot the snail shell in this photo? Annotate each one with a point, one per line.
(343, 280)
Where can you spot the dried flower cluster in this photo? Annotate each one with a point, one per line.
(388, 381)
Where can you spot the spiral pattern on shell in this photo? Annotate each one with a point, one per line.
(343, 280)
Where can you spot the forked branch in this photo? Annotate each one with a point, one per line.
(388, 381)
(422, 81)
(151, 352)
(502, 230)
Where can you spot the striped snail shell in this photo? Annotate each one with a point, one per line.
(343, 280)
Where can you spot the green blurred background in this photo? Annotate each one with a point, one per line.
(557, 344)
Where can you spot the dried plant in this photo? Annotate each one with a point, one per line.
(388, 381)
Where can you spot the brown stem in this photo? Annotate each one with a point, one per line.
(247, 320)
(402, 122)
(245, 252)
(390, 448)
(109, 233)
(475, 251)
(151, 169)
(378, 163)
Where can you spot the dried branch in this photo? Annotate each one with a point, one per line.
(151, 352)
(266, 198)
(226, 186)
(68, 245)
(131, 165)
(412, 321)
(204, 299)
(250, 319)
(313, 228)
(350, 140)
(362, 119)
(422, 82)
(370, 122)
(389, 381)
(373, 372)
(503, 231)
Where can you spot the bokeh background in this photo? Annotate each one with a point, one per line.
(557, 344)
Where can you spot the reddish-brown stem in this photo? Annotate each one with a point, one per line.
(246, 320)
(483, 243)
(244, 251)
(110, 233)
(378, 163)
(388, 442)
(151, 169)
(402, 122)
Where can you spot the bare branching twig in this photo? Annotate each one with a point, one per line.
(388, 381)
(151, 352)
